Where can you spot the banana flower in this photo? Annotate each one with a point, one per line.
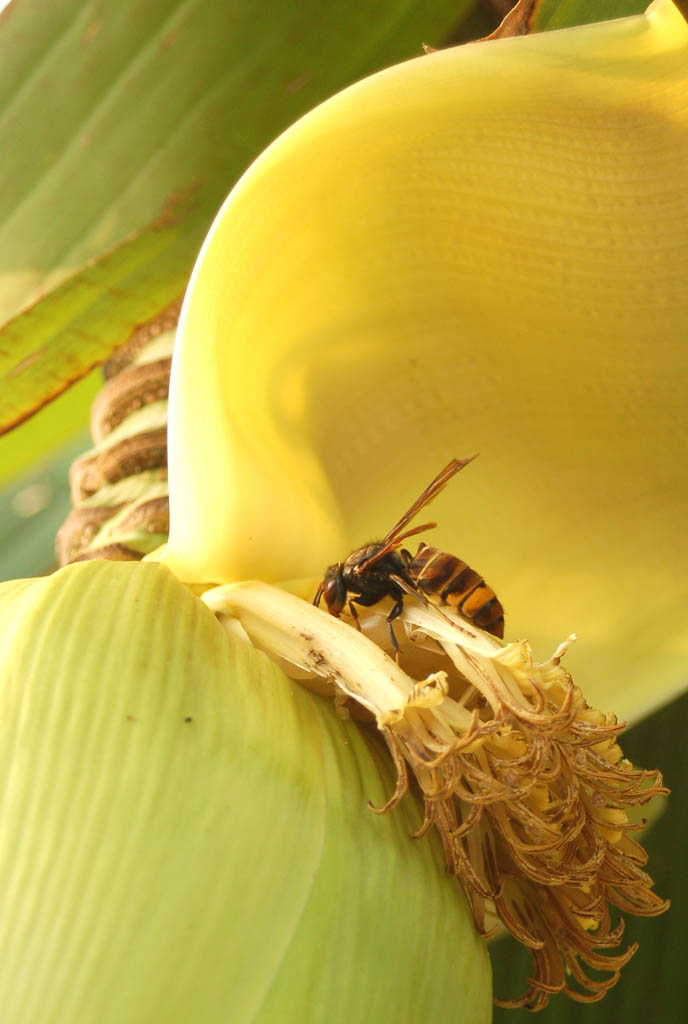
(482, 250)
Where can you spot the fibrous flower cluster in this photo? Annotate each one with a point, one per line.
(524, 780)
(529, 789)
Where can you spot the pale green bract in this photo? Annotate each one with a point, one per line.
(185, 835)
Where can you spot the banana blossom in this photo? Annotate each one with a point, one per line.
(480, 250)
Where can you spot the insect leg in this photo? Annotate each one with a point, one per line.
(354, 614)
(418, 594)
(396, 610)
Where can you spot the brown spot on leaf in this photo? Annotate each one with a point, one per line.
(92, 29)
(25, 364)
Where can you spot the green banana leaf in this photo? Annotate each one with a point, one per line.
(122, 128)
(109, 114)
(32, 506)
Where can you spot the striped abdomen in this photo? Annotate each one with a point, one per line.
(452, 582)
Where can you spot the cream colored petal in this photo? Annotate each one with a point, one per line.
(485, 249)
(185, 833)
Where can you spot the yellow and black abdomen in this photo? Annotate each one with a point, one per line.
(448, 580)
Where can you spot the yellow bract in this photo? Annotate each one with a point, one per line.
(485, 249)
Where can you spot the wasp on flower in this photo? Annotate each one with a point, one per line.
(524, 781)
(385, 569)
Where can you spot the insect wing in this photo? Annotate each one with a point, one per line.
(395, 536)
(428, 495)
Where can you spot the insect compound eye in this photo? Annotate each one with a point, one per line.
(334, 591)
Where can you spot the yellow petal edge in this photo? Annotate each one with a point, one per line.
(485, 249)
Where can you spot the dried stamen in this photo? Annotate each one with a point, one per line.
(525, 782)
